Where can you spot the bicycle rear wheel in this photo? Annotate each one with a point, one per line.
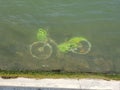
(83, 47)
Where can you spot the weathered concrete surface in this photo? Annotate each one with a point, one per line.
(51, 84)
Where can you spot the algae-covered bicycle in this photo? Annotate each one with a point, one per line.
(43, 49)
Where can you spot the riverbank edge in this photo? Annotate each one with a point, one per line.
(57, 75)
(60, 84)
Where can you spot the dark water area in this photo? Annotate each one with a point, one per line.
(33, 88)
(96, 20)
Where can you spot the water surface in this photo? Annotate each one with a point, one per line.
(96, 20)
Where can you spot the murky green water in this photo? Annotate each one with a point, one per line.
(96, 20)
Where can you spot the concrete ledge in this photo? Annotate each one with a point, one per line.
(69, 84)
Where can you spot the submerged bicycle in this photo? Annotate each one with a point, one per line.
(43, 48)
